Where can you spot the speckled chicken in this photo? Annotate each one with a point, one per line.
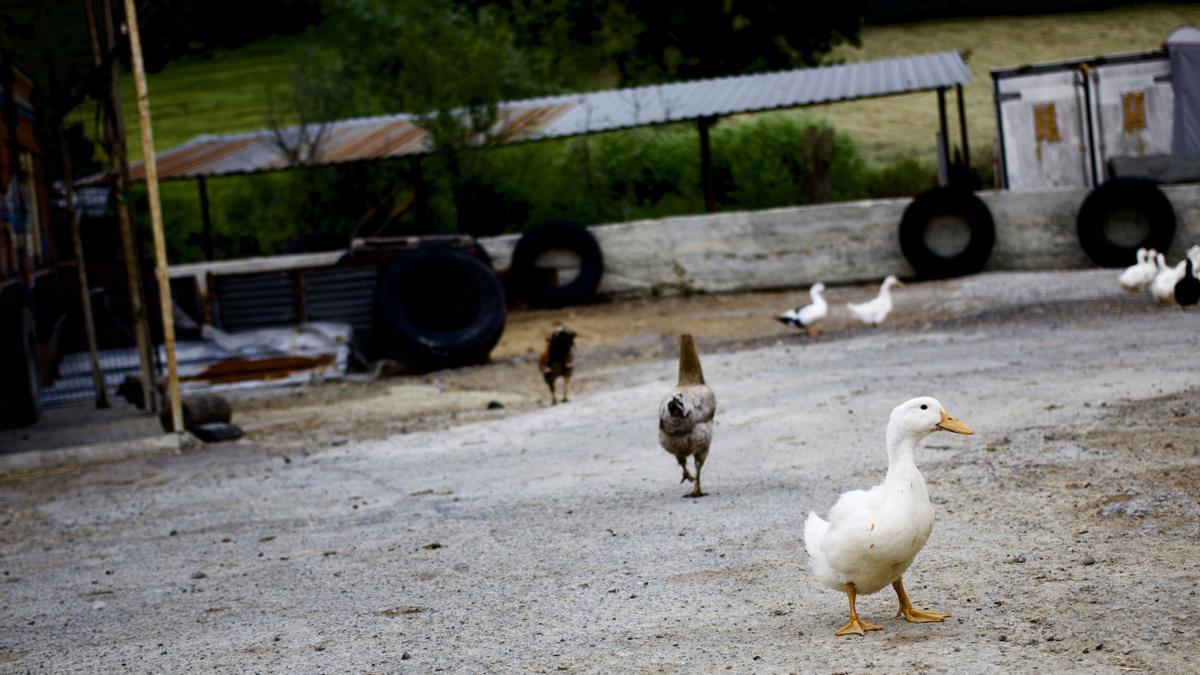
(558, 360)
(685, 416)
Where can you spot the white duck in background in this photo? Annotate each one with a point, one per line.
(1163, 287)
(1138, 275)
(872, 536)
(874, 311)
(807, 316)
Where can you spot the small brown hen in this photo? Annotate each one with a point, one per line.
(558, 360)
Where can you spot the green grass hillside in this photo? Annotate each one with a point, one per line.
(230, 91)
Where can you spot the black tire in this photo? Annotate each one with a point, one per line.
(533, 285)
(20, 393)
(934, 205)
(1136, 197)
(439, 308)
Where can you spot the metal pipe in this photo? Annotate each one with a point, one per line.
(1085, 71)
(962, 126)
(706, 174)
(206, 226)
(944, 146)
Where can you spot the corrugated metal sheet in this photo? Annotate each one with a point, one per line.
(394, 136)
(344, 295)
(254, 301)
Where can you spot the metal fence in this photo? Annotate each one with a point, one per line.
(71, 381)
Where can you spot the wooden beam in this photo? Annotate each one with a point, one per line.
(156, 226)
(119, 181)
(68, 177)
(706, 173)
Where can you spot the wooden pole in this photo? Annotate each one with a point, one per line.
(156, 226)
(85, 296)
(119, 180)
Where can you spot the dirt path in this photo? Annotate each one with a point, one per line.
(548, 538)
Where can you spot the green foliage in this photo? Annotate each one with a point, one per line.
(761, 162)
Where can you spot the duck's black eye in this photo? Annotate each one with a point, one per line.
(924, 407)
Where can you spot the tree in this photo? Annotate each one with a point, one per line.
(686, 39)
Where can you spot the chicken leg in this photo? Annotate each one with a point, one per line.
(699, 459)
(911, 613)
(856, 625)
(682, 459)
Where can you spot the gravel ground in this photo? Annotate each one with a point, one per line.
(539, 538)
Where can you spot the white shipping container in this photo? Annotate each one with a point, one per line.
(1059, 123)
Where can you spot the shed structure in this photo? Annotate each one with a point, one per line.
(702, 102)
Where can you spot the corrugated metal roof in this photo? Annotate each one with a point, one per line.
(535, 119)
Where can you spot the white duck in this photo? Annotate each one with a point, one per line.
(805, 317)
(872, 536)
(1136, 276)
(1163, 287)
(874, 311)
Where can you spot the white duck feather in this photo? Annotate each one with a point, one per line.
(874, 311)
(807, 316)
(872, 536)
(1138, 275)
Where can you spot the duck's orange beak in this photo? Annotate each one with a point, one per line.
(951, 423)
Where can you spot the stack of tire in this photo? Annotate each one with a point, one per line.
(532, 284)
(954, 202)
(1136, 199)
(439, 308)
(444, 307)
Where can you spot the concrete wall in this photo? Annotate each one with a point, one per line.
(834, 243)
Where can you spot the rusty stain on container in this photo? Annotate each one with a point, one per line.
(238, 369)
(1133, 105)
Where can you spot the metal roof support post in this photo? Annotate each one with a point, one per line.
(706, 174)
(944, 143)
(962, 126)
(206, 226)
(160, 249)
